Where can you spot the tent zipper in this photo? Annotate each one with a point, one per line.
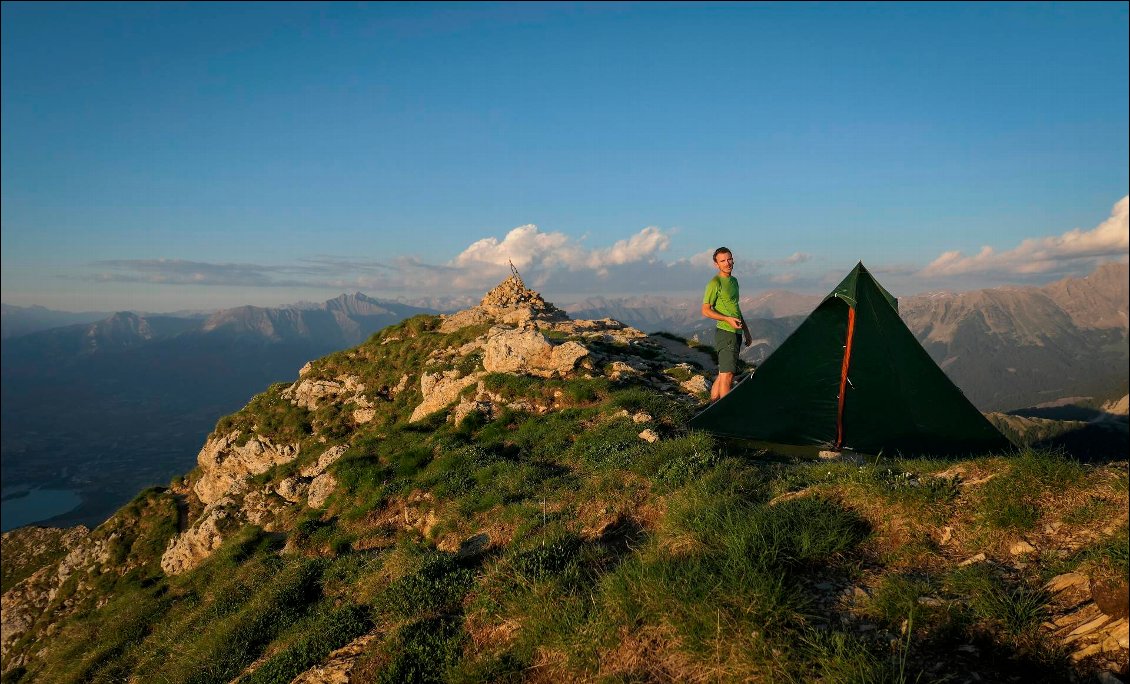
(844, 382)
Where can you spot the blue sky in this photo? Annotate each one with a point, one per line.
(168, 156)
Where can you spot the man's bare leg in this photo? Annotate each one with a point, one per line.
(721, 386)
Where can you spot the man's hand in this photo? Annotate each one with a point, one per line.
(735, 323)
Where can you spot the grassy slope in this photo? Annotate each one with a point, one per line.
(604, 557)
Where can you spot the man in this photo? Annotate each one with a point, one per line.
(721, 304)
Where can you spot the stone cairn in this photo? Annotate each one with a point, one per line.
(509, 302)
(512, 294)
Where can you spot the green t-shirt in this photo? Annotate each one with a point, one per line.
(722, 296)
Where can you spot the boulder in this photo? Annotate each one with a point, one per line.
(320, 490)
(510, 350)
(696, 385)
(261, 506)
(1111, 596)
(338, 666)
(226, 465)
(328, 458)
(440, 389)
(293, 488)
(310, 393)
(190, 548)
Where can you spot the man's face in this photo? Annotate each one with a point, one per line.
(725, 262)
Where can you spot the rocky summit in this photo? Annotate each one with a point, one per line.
(509, 494)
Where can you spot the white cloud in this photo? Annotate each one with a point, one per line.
(543, 255)
(528, 246)
(798, 258)
(1111, 238)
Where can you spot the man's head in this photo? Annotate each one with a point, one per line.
(724, 260)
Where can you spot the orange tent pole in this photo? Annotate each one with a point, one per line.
(844, 377)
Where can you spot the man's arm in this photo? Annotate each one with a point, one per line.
(736, 323)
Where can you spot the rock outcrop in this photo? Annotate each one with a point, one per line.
(311, 393)
(192, 547)
(529, 351)
(26, 601)
(260, 507)
(440, 389)
(226, 464)
(529, 336)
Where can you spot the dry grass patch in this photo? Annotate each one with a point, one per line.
(653, 653)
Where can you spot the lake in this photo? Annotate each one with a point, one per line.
(17, 510)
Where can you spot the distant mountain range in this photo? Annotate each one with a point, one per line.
(1010, 348)
(124, 402)
(21, 320)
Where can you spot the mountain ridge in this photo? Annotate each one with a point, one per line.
(508, 493)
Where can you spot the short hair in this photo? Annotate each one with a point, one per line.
(721, 250)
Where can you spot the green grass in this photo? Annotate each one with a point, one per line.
(896, 598)
(1015, 606)
(421, 651)
(437, 586)
(1093, 509)
(834, 657)
(1013, 500)
(1106, 557)
(327, 629)
(271, 415)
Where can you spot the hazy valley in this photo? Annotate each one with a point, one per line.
(110, 407)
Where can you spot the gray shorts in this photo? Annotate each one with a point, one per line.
(728, 344)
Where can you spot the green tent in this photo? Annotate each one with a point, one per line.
(853, 376)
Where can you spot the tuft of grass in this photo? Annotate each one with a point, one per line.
(836, 657)
(1106, 557)
(680, 373)
(268, 413)
(1094, 508)
(683, 459)
(610, 445)
(586, 390)
(896, 598)
(548, 559)
(753, 555)
(1013, 606)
